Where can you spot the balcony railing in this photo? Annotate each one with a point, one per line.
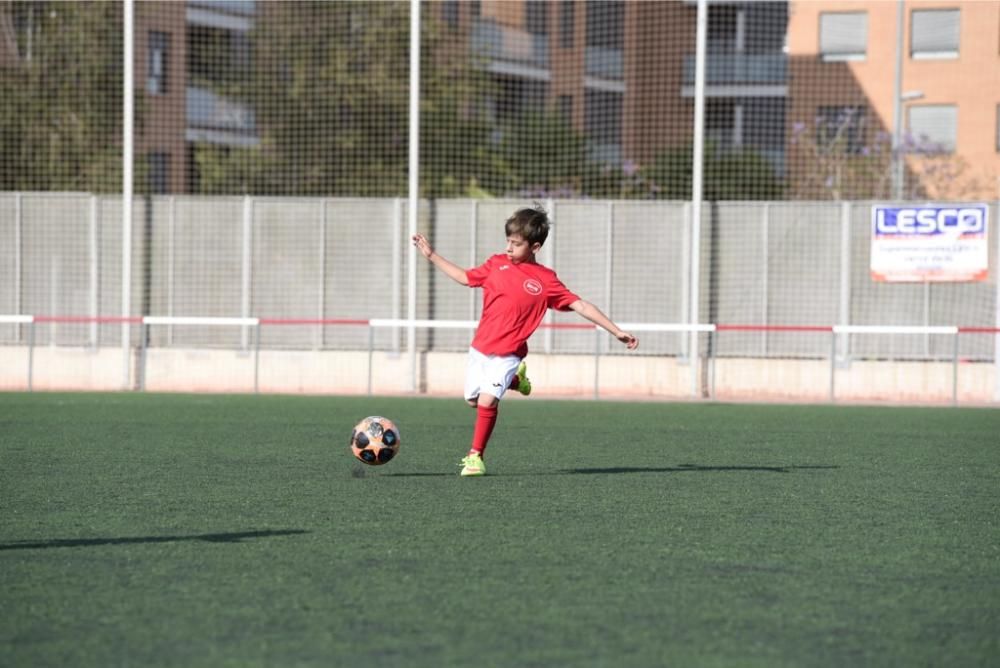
(604, 63)
(245, 7)
(215, 119)
(207, 109)
(740, 68)
(497, 42)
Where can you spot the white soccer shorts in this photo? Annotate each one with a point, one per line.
(489, 373)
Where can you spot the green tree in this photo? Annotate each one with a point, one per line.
(457, 154)
(540, 154)
(330, 93)
(60, 96)
(727, 175)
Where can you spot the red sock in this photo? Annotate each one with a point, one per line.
(515, 383)
(486, 418)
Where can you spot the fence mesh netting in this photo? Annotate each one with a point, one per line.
(271, 164)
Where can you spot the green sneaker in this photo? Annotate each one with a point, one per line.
(523, 384)
(473, 465)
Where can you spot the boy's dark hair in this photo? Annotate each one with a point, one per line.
(530, 223)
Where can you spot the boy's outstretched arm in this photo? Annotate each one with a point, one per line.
(596, 316)
(452, 270)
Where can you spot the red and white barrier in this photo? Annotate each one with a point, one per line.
(698, 387)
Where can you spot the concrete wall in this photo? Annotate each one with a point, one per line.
(762, 263)
(554, 376)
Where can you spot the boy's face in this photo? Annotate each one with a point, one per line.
(518, 249)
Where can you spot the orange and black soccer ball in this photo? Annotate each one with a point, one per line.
(375, 440)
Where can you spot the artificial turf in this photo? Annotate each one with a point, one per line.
(177, 530)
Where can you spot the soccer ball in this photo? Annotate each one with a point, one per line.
(375, 440)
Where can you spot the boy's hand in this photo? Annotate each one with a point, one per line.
(452, 270)
(420, 241)
(630, 341)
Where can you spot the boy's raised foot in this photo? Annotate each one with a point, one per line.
(473, 465)
(523, 383)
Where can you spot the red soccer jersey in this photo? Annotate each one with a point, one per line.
(515, 299)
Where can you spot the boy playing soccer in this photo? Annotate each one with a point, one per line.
(517, 291)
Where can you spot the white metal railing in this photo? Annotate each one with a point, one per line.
(695, 330)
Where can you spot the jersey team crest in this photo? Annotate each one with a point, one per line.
(532, 287)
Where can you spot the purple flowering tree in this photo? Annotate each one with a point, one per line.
(838, 156)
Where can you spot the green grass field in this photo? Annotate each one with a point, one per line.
(152, 530)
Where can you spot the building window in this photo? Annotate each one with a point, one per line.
(159, 173)
(156, 63)
(603, 124)
(934, 33)
(933, 127)
(567, 23)
(537, 17)
(843, 36)
(217, 56)
(606, 23)
(723, 124)
(841, 129)
(449, 13)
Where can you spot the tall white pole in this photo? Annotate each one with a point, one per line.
(321, 296)
(897, 109)
(473, 253)
(844, 314)
(609, 269)
(246, 269)
(18, 252)
(397, 269)
(95, 270)
(128, 106)
(697, 175)
(765, 272)
(414, 190)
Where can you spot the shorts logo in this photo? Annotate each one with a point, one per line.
(532, 287)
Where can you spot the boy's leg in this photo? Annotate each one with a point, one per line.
(520, 381)
(495, 373)
(486, 419)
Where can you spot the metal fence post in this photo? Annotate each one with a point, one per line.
(844, 308)
(712, 347)
(371, 349)
(256, 359)
(321, 299)
(597, 362)
(246, 266)
(833, 365)
(95, 275)
(18, 260)
(954, 371)
(141, 372)
(31, 355)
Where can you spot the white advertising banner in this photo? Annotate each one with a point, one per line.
(933, 242)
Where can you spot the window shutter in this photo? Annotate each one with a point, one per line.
(936, 123)
(843, 35)
(934, 33)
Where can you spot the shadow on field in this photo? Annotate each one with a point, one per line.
(682, 468)
(419, 475)
(235, 537)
